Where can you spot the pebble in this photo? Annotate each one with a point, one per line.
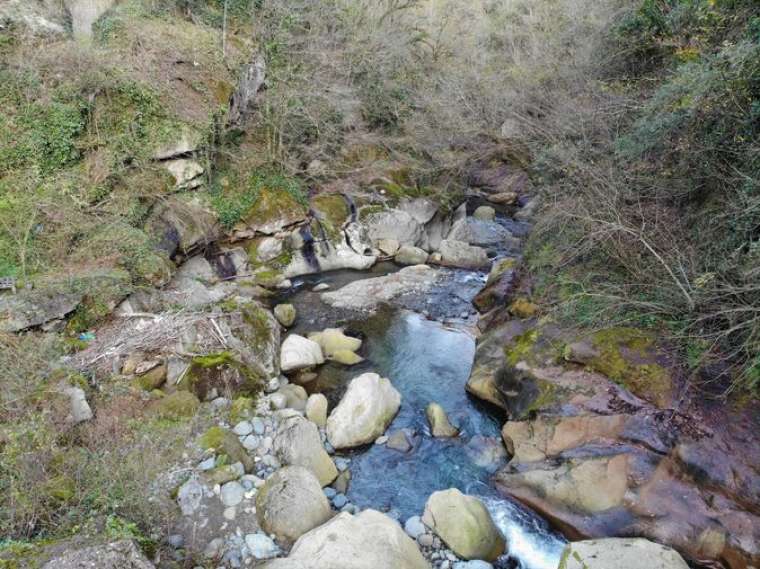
(329, 448)
(320, 287)
(414, 527)
(381, 440)
(342, 463)
(221, 403)
(233, 558)
(278, 401)
(213, 548)
(207, 464)
(425, 540)
(472, 565)
(243, 428)
(261, 546)
(273, 385)
(330, 493)
(340, 500)
(232, 493)
(229, 514)
(258, 425)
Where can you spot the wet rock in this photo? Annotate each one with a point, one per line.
(439, 422)
(346, 357)
(409, 255)
(463, 522)
(316, 409)
(400, 441)
(297, 443)
(364, 412)
(501, 283)
(298, 352)
(368, 294)
(285, 314)
(116, 555)
(621, 554)
(291, 503)
(369, 540)
(462, 255)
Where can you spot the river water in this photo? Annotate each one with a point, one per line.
(428, 357)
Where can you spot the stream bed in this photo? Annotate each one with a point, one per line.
(425, 347)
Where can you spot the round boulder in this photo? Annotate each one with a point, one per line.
(368, 540)
(464, 523)
(290, 503)
(366, 410)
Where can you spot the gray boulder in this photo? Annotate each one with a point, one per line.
(462, 255)
(291, 503)
(297, 443)
(409, 255)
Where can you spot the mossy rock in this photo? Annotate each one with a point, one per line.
(177, 405)
(225, 442)
(523, 308)
(523, 394)
(221, 371)
(242, 408)
(153, 378)
(629, 357)
(275, 209)
(333, 208)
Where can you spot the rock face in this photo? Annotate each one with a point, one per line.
(463, 522)
(298, 353)
(28, 309)
(368, 294)
(290, 503)
(369, 540)
(462, 255)
(620, 554)
(117, 555)
(297, 443)
(366, 410)
(597, 459)
(439, 422)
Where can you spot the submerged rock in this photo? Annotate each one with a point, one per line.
(439, 422)
(463, 522)
(369, 540)
(620, 554)
(366, 410)
(298, 352)
(291, 503)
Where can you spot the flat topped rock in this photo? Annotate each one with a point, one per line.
(368, 294)
(615, 553)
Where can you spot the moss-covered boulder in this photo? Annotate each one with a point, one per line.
(220, 371)
(273, 210)
(174, 406)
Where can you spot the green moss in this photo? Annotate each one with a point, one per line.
(261, 325)
(334, 212)
(369, 210)
(220, 370)
(60, 488)
(241, 409)
(521, 348)
(175, 406)
(213, 438)
(628, 356)
(225, 442)
(547, 396)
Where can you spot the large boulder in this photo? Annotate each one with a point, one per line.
(463, 522)
(620, 554)
(394, 224)
(298, 352)
(117, 555)
(482, 232)
(460, 254)
(183, 224)
(369, 540)
(368, 294)
(297, 443)
(366, 410)
(291, 503)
